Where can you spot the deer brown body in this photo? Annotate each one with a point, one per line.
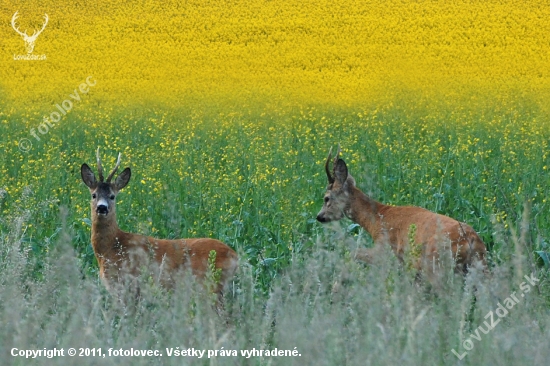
(122, 256)
(391, 224)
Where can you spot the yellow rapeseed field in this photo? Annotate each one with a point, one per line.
(290, 52)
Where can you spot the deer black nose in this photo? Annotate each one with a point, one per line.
(321, 218)
(102, 209)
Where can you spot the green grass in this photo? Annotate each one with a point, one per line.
(255, 180)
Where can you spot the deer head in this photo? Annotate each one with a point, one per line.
(337, 199)
(103, 191)
(29, 40)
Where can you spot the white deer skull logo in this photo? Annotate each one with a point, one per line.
(29, 40)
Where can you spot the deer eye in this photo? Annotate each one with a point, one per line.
(327, 199)
(112, 197)
(94, 195)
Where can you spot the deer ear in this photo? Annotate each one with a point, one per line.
(341, 171)
(123, 178)
(88, 177)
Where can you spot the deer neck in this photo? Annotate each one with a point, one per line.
(105, 231)
(366, 212)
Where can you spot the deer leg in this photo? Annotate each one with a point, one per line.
(367, 255)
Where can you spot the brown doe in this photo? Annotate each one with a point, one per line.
(392, 224)
(122, 256)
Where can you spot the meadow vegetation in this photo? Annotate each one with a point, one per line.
(225, 112)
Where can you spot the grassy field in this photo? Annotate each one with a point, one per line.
(225, 112)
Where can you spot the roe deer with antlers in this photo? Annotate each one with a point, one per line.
(391, 224)
(121, 255)
(29, 40)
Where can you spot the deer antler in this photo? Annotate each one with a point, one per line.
(29, 40)
(337, 154)
(327, 169)
(114, 169)
(35, 34)
(99, 167)
(15, 27)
